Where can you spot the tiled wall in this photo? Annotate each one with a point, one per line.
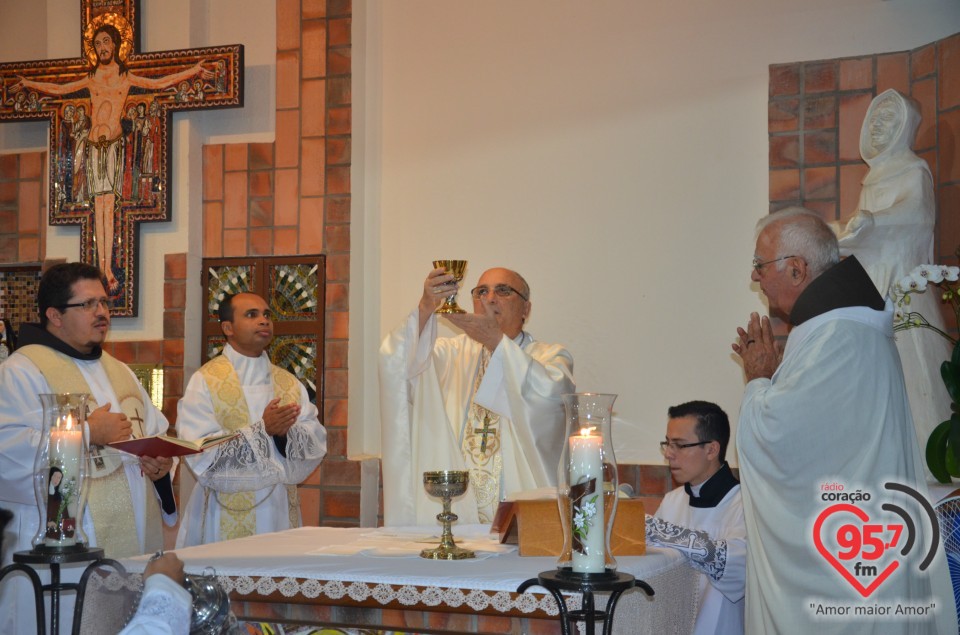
(23, 208)
(815, 113)
(293, 197)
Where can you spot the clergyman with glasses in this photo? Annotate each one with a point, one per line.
(831, 411)
(129, 497)
(487, 401)
(703, 519)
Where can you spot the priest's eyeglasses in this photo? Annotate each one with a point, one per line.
(502, 290)
(88, 305)
(673, 447)
(758, 265)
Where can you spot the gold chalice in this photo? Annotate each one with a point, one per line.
(445, 485)
(457, 268)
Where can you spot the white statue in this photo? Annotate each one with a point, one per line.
(891, 233)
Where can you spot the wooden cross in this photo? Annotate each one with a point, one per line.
(110, 112)
(484, 431)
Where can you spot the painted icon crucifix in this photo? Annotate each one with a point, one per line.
(110, 136)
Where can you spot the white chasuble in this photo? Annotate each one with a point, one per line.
(427, 391)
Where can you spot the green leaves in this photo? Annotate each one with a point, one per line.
(943, 449)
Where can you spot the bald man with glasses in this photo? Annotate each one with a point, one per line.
(487, 401)
(128, 497)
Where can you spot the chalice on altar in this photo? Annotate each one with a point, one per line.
(457, 268)
(445, 485)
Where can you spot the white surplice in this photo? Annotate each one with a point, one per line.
(835, 411)
(250, 462)
(21, 423)
(720, 601)
(426, 389)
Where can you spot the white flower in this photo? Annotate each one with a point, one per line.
(932, 273)
(578, 520)
(951, 274)
(898, 316)
(589, 509)
(917, 282)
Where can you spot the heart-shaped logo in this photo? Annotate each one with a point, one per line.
(863, 542)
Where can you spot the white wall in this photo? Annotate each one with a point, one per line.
(165, 25)
(614, 152)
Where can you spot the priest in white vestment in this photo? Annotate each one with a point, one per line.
(704, 518)
(63, 354)
(487, 401)
(247, 485)
(829, 423)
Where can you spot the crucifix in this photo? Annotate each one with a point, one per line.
(484, 431)
(110, 116)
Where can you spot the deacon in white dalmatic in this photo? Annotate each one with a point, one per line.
(247, 485)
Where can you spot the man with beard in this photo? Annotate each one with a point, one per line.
(108, 84)
(63, 354)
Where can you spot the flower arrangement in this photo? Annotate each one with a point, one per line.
(943, 446)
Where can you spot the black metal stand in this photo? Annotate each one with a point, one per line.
(24, 561)
(586, 584)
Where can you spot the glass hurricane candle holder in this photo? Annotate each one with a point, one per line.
(587, 485)
(59, 472)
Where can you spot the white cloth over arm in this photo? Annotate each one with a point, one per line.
(251, 462)
(426, 388)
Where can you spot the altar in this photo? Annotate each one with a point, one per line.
(374, 579)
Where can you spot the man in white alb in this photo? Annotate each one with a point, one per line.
(704, 518)
(833, 412)
(487, 401)
(247, 485)
(63, 354)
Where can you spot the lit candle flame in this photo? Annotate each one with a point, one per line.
(69, 422)
(587, 431)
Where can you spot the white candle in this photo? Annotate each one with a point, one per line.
(586, 463)
(66, 444)
(66, 441)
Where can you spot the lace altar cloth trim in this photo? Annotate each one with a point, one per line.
(673, 609)
(384, 594)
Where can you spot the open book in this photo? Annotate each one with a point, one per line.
(163, 445)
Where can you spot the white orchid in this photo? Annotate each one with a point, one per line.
(917, 281)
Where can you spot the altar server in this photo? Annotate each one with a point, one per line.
(247, 485)
(833, 413)
(704, 518)
(64, 354)
(487, 401)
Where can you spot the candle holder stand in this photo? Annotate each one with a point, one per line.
(586, 584)
(26, 562)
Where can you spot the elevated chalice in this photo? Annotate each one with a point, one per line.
(457, 268)
(445, 485)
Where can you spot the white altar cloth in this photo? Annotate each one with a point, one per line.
(383, 565)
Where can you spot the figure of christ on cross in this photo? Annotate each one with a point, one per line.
(109, 84)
